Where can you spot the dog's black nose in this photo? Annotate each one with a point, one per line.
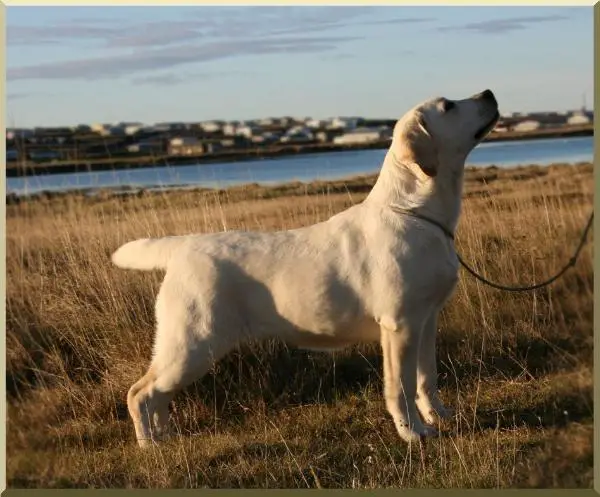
(488, 95)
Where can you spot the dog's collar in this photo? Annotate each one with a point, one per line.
(410, 212)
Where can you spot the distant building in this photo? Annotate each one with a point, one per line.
(112, 131)
(43, 155)
(343, 123)
(132, 129)
(527, 125)
(229, 129)
(363, 135)
(298, 134)
(146, 147)
(99, 127)
(315, 123)
(22, 133)
(12, 154)
(186, 145)
(212, 126)
(578, 118)
(248, 131)
(171, 126)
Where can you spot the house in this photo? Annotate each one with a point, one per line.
(363, 135)
(172, 126)
(526, 125)
(133, 129)
(99, 127)
(12, 154)
(266, 121)
(342, 123)
(298, 135)
(186, 145)
(229, 129)
(146, 147)
(314, 123)
(212, 126)
(43, 155)
(247, 131)
(112, 131)
(14, 133)
(578, 118)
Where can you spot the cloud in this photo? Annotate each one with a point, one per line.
(204, 34)
(18, 96)
(405, 20)
(159, 80)
(199, 23)
(171, 79)
(501, 26)
(115, 66)
(113, 36)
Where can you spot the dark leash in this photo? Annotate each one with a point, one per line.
(449, 234)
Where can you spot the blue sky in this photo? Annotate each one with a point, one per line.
(72, 65)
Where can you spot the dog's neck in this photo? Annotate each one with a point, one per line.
(404, 186)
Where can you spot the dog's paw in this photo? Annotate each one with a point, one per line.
(415, 433)
(144, 443)
(432, 410)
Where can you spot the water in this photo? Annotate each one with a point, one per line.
(322, 166)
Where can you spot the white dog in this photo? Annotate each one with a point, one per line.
(381, 270)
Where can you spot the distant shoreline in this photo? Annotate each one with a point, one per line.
(135, 162)
(354, 184)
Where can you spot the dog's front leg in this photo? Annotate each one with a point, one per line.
(428, 401)
(400, 344)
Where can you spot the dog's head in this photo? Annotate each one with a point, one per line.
(442, 132)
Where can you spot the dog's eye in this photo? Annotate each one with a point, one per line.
(447, 105)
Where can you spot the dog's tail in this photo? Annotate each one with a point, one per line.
(147, 253)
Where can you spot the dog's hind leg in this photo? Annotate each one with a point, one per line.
(428, 401)
(148, 408)
(172, 369)
(191, 335)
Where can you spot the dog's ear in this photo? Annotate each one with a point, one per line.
(421, 147)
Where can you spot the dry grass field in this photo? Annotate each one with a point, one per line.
(516, 367)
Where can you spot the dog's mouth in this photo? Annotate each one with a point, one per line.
(487, 127)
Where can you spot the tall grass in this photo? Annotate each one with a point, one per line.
(516, 367)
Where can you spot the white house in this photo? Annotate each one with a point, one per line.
(297, 136)
(342, 123)
(527, 125)
(247, 130)
(184, 141)
(112, 131)
(186, 145)
(211, 126)
(266, 121)
(298, 129)
(362, 135)
(229, 129)
(577, 118)
(132, 129)
(315, 123)
(99, 127)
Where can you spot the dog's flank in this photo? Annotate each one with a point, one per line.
(366, 274)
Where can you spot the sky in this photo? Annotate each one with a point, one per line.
(83, 65)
